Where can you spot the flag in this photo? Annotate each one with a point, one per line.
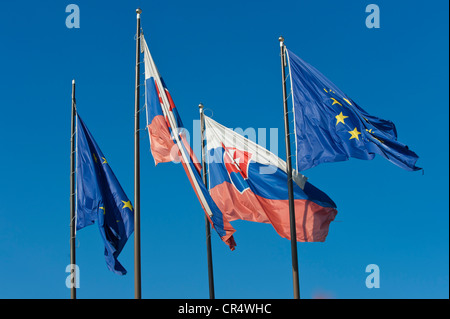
(101, 199)
(248, 182)
(168, 143)
(331, 127)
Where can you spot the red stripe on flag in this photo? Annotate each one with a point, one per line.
(312, 220)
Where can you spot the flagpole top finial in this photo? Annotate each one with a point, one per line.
(200, 106)
(138, 11)
(73, 81)
(281, 39)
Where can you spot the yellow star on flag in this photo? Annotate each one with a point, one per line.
(340, 118)
(104, 210)
(335, 102)
(354, 134)
(127, 205)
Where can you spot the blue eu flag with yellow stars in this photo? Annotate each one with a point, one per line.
(331, 127)
(101, 199)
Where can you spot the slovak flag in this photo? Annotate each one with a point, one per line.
(248, 182)
(168, 143)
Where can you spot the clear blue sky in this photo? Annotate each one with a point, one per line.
(225, 55)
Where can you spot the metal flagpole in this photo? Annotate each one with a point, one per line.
(208, 228)
(137, 182)
(73, 291)
(289, 174)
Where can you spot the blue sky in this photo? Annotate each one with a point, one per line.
(225, 55)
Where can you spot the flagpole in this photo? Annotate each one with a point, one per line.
(137, 182)
(208, 228)
(73, 291)
(289, 174)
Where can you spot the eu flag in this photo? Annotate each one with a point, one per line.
(331, 127)
(101, 199)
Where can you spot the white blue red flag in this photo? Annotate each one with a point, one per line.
(248, 182)
(168, 143)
